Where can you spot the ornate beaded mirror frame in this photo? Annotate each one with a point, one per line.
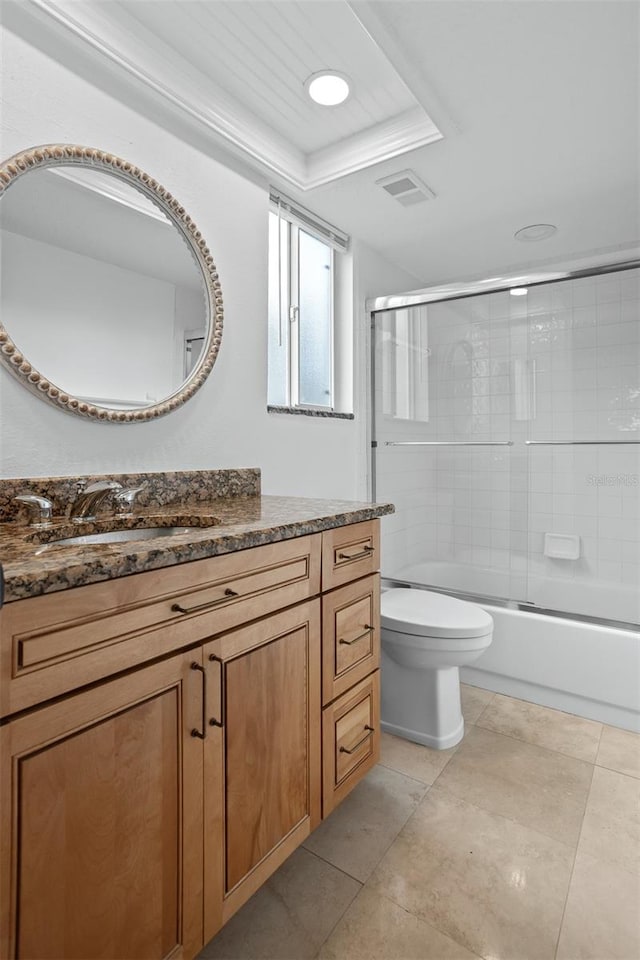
(57, 155)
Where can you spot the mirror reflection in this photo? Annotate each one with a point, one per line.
(100, 291)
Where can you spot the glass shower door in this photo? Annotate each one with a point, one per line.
(444, 451)
(584, 446)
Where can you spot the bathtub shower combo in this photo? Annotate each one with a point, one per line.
(506, 430)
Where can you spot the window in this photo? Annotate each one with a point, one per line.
(303, 267)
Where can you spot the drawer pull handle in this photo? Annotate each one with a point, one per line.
(205, 606)
(194, 732)
(356, 556)
(357, 745)
(367, 631)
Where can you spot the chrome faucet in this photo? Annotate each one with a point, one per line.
(40, 509)
(90, 497)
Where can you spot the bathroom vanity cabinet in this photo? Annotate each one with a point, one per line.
(169, 738)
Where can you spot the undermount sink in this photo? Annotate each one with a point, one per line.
(130, 534)
(121, 536)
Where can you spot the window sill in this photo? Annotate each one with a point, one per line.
(308, 412)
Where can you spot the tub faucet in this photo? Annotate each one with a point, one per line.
(90, 497)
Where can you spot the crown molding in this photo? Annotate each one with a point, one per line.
(406, 131)
(225, 118)
(227, 121)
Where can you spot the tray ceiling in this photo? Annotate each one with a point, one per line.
(239, 68)
(515, 111)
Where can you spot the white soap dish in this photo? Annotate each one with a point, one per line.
(562, 546)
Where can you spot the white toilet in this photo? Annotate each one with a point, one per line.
(426, 637)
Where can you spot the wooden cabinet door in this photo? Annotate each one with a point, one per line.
(271, 716)
(101, 821)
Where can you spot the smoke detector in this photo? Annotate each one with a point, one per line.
(406, 187)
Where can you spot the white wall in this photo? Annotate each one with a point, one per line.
(226, 423)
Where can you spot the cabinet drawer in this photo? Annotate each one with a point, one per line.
(350, 552)
(350, 635)
(55, 643)
(351, 740)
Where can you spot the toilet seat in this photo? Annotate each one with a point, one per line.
(424, 613)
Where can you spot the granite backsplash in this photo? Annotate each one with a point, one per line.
(162, 489)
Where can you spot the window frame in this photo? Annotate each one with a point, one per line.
(299, 221)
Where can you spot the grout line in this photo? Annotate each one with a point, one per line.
(621, 773)
(387, 766)
(391, 842)
(348, 906)
(503, 816)
(329, 863)
(573, 867)
(384, 895)
(511, 736)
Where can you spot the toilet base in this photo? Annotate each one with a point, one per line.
(426, 739)
(422, 705)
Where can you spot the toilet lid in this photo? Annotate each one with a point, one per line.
(428, 614)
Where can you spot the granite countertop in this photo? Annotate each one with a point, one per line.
(222, 525)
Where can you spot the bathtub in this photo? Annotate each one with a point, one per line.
(588, 669)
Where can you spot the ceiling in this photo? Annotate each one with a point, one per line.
(512, 111)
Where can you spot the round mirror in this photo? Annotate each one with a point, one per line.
(110, 303)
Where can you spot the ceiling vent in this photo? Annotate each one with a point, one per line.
(406, 187)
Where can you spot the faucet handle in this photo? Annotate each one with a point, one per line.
(99, 486)
(124, 499)
(40, 509)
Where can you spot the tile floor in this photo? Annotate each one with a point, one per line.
(521, 843)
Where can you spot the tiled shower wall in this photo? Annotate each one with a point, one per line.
(561, 363)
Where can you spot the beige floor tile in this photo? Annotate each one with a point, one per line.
(374, 928)
(620, 750)
(602, 919)
(542, 726)
(290, 916)
(538, 788)
(485, 881)
(412, 759)
(474, 700)
(356, 835)
(611, 828)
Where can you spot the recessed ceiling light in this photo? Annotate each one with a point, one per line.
(536, 231)
(518, 291)
(328, 87)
